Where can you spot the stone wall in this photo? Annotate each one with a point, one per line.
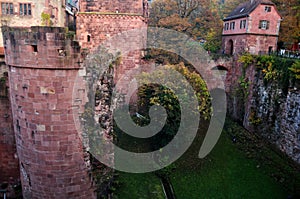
(266, 108)
(98, 28)
(43, 69)
(116, 6)
(254, 44)
(9, 164)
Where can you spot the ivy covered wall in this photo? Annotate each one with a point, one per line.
(265, 98)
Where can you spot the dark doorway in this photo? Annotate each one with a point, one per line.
(230, 47)
(270, 50)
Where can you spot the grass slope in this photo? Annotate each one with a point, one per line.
(245, 169)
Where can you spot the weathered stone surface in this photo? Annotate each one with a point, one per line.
(50, 149)
(118, 6)
(267, 110)
(9, 164)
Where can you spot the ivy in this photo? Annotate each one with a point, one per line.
(46, 19)
(247, 59)
(295, 69)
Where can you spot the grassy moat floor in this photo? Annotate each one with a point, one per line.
(243, 167)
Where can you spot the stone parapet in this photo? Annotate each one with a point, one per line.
(40, 47)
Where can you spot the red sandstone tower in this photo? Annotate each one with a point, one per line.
(43, 65)
(42, 68)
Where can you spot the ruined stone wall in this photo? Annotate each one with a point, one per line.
(98, 28)
(117, 6)
(43, 68)
(266, 109)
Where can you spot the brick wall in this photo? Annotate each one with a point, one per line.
(50, 149)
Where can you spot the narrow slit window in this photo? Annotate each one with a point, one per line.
(89, 38)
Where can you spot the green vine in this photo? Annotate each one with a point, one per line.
(46, 19)
(266, 63)
(244, 84)
(247, 59)
(295, 69)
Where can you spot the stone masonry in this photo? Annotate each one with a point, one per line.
(9, 165)
(41, 81)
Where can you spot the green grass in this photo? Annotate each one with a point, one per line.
(226, 173)
(139, 186)
(246, 169)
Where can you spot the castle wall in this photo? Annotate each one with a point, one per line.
(98, 28)
(265, 109)
(117, 6)
(9, 164)
(43, 67)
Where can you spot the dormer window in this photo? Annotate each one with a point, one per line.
(267, 8)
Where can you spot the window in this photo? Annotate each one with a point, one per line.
(232, 24)
(7, 8)
(226, 26)
(267, 8)
(243, 24)
(25, 9)
(264, 24)
(34, 48)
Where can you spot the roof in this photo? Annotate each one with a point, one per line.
(244, 9)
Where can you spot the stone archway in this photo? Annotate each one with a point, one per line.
(222, 70)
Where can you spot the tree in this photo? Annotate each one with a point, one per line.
(152, 94)
(200, 19)
(290, 25)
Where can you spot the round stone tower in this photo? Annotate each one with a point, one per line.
(43, 64)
